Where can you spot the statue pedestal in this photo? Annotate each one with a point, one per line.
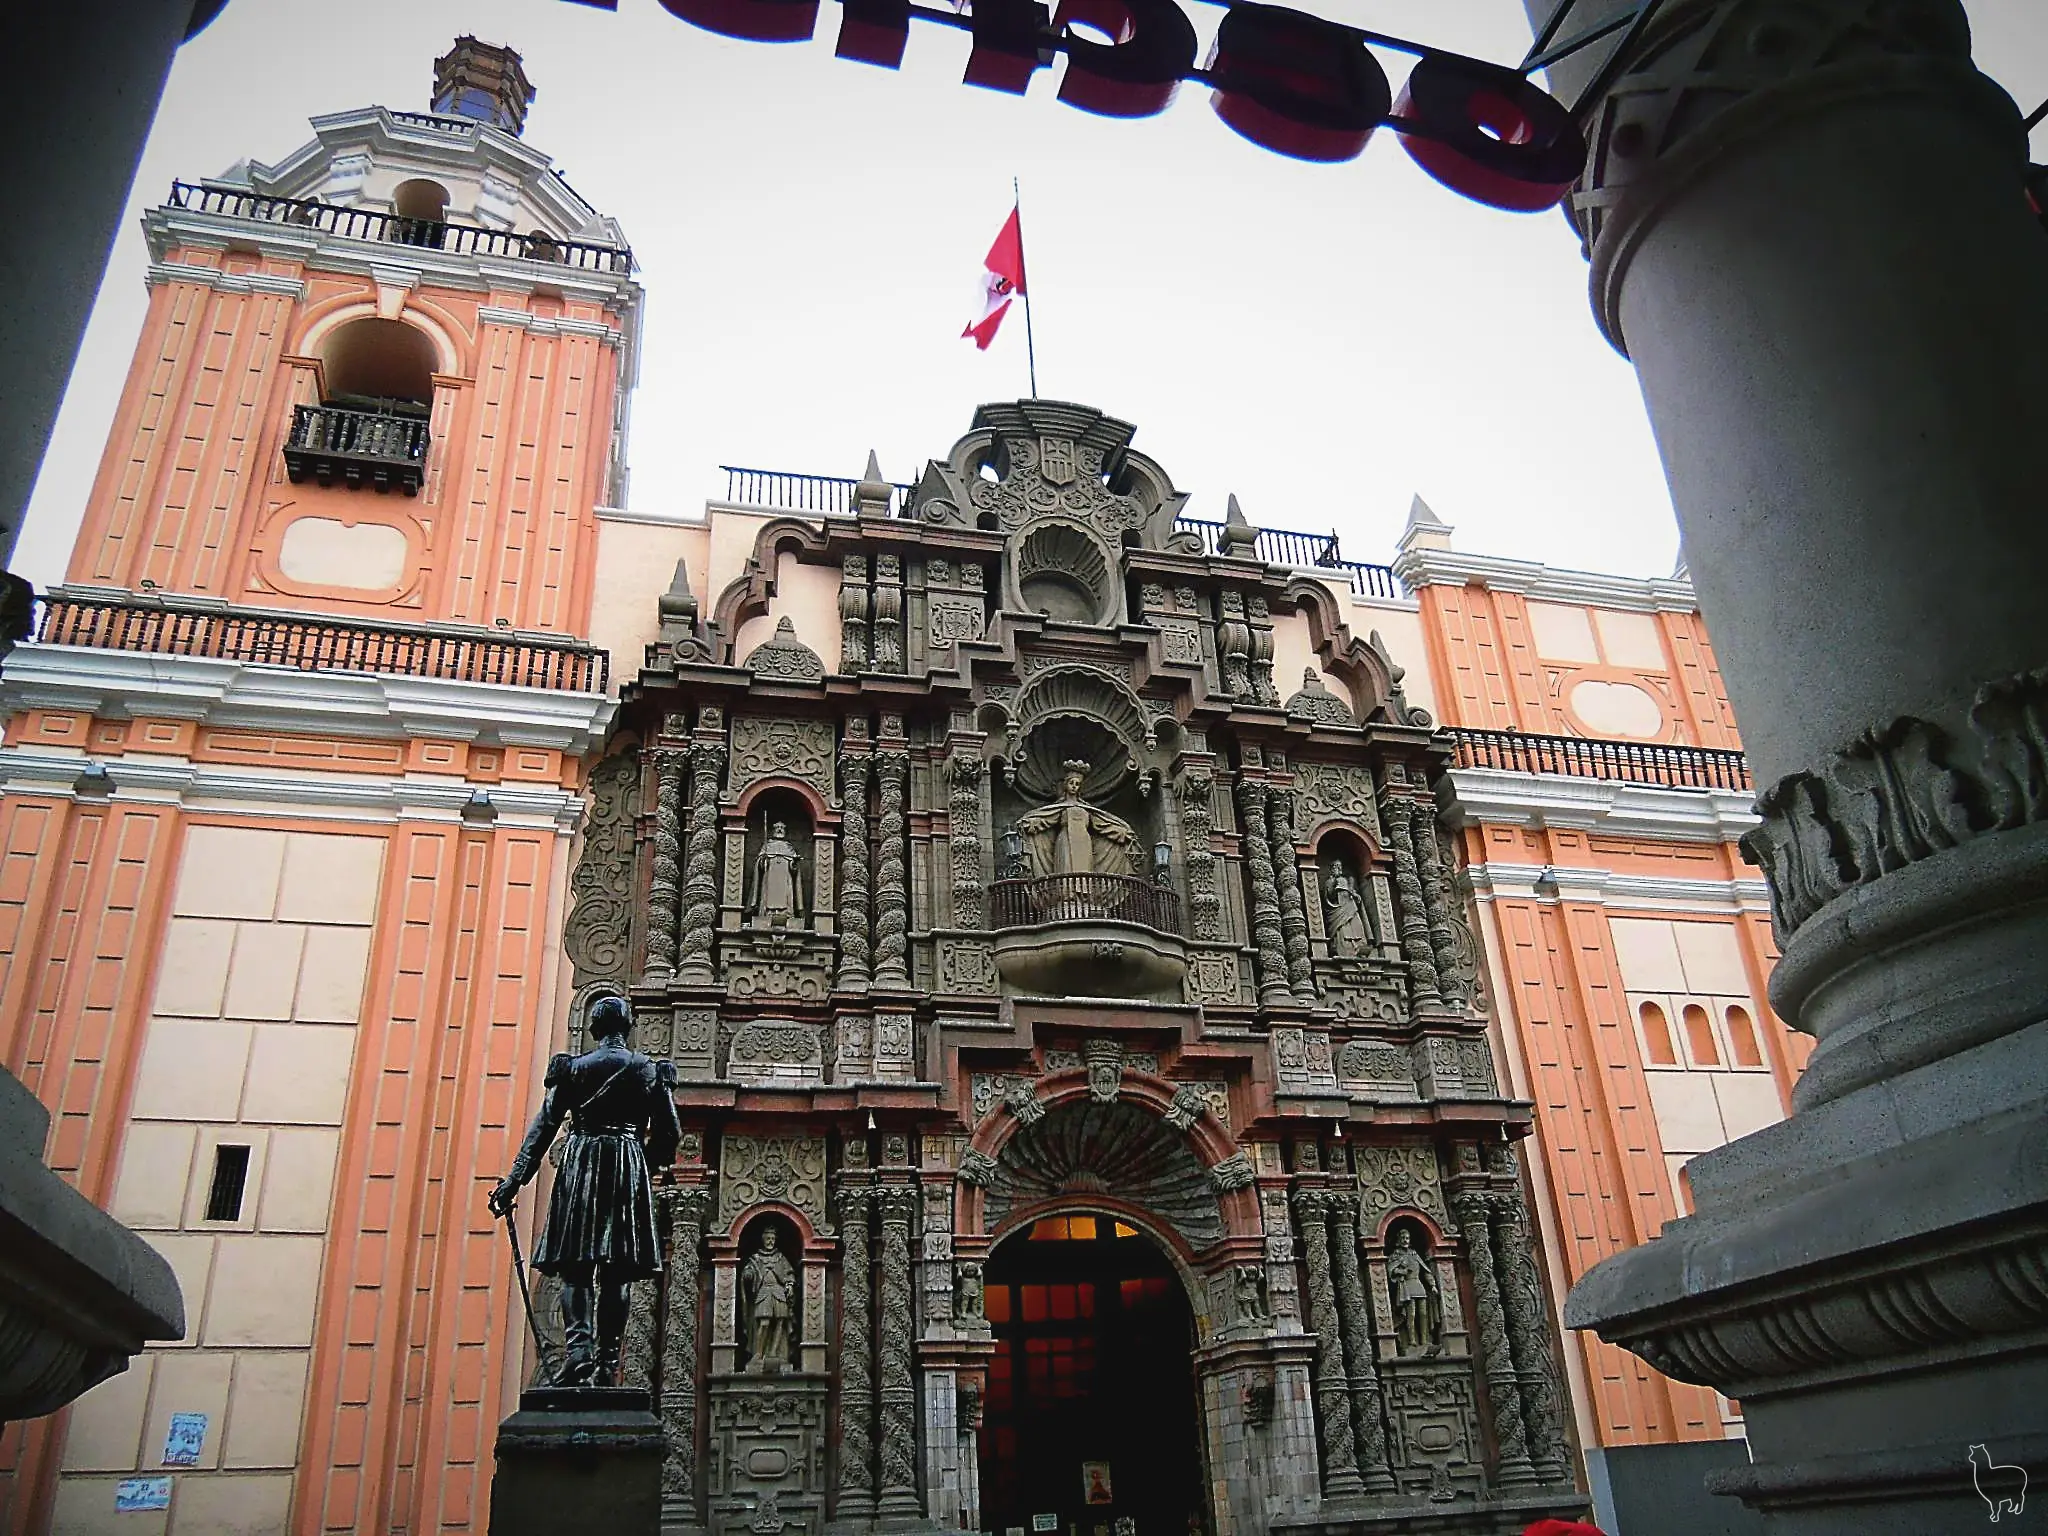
(579, 1461)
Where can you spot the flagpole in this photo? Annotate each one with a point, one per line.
(1030, 344)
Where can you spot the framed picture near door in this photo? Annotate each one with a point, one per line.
(1095, 1485)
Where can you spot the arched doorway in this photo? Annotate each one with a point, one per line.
(1091, 1425)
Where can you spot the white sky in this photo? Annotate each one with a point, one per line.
(1325, 341)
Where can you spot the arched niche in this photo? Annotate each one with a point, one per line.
(769, 1294)
(1342, 865)
(781, 823)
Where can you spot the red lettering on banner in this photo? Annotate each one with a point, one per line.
(753, 21)
(1488, 133)
(1138, 74)
(874, 31)
(1011, 43)
(1296, 84)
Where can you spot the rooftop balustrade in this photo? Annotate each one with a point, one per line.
(1659, 764)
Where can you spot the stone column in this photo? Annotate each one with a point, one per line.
(1436, 903)
(855, 770)
(1496, 1359)
(1529, 1339)
(682, 1284)
(853, 614)
(700, 877)
(963, 838)
(1287, 875)
(1265, 905)
(892, 889)
(899, 1328)
(886, 638)
(856, 1355)
(1410, 905)
(1333, 1395)
(1807, 231)
(1355, 1312)
(664, 889)
(1205, 907)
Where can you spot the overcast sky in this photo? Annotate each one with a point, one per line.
(1324, 340)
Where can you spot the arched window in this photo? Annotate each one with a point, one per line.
(1699, 1036)
(1742, 1037)
(374, 363)
(370, 427)
(422, 209)
(1657, 1036)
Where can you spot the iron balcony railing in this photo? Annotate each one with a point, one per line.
(1627, 762)
(338, 442)
(395, 229)
(1081, 899)
(323, 645)
(802, 493)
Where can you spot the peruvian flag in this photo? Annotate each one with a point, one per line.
(1001, 281)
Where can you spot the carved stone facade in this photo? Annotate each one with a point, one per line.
(1046, 933)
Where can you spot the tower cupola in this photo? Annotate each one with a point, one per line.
(483, 82)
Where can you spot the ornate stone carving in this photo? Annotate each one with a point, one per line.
(693, 1041)
(1287, 875)
(892, 892)
(1391, 1178)
(1367, 1415)
(853, 873)
(1528, 1339)
(886, 637)
(1248, 1295)
(1451, 985)
(1412, 905)
(1495, 1358)
(700, 876)
(1344, 920)
(595, 936)
(1234, 1172)
(977, 1168)
(1413, 1293)
(1205, 908)
(898, 1384)
(967, 966)
(783, 969)
(1265, 903)
(776, 898)
(1082, 1145)
(681, 1302)
(968, 1294)
(1234, 647)
(777, 1053)
(1325, 792)
(775, 748)
(1104, 1055)
(1333, 1396)
(853, 613)
(768, 1289)
(856, 1353)
(1316, 704)
(784, 658)
(963, 839)
(1212, 977)
(954, 619)
(790, 1169)
(1022, 1100)
(1189, 1104)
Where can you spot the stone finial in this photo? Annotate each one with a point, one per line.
(1425, 529)
(1316, 704)
(871, 495)
(784, 656)
(678, 605)
(1238, 537)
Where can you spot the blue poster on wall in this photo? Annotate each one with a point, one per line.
(184, 1440)
(141, 1493)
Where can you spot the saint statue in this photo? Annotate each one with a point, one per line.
(778, 881)
(599, 1236)
(1350, 934)
(1072, 837)
(1418, 1312)
(769, 1280)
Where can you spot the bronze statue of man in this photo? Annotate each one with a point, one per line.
(599, 1237)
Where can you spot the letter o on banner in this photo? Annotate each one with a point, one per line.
(1137, 75)
(753, 21)
(1488, 133)
(1296, 84)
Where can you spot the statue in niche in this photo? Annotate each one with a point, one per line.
(769, 1280)
(778, 881)
(600, 1235)
(1072, 837)
(1418, 1309)
(1350, 934)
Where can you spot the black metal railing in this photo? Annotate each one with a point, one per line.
(802, 493)
(1081, 899)
(1275, 546)
(1627, 762)
(338, 442)
(322, 645)
(396, 229)
(439, 120)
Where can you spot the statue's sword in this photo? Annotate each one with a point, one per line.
(519, 1270)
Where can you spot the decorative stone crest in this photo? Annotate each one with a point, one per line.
(790, 1169)
(1105, 1057)
(771, 748)
(1316, 704)
(784, 658)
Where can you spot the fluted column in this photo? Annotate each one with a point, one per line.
(899, 1328)
(856, 1356)
(700, 876)
(1333, 1392)
(1265, 905)
(682, 1283)
(854, 890)
(664, 889)
(1287, 875)
(1496, 1359)
(1355, 1312)
(1529, 1339)
(1410, 905)
(892, 889)
(1436, 903)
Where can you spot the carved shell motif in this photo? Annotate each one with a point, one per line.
(1116, 1147)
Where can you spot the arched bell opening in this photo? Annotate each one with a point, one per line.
(1092, 1411)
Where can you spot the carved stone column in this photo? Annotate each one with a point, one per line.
(636, 1346)
(1287, 875)
(1529, 1339)
(1355, 1312)
(1411, 904)
(682, 1286)
(888, 630)
(1205, 907)
(1233, 647)
(855, 771)
(1260, 655)
(899, 1328)
(700, 875)
(856, 1354)
(1496, 1359)
(1333, 1393)
(853, 613)
(892, 888)
(1265, 906)
(1812, 215)
(664, 889)
(1436, 903)
(963, 838)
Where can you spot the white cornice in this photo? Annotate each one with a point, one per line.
(656, 519)
(379, 797)
(1499, 796)
(519, 319)
(120, 684)
(1496, 879)
(161, 272)
(1419, 566)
